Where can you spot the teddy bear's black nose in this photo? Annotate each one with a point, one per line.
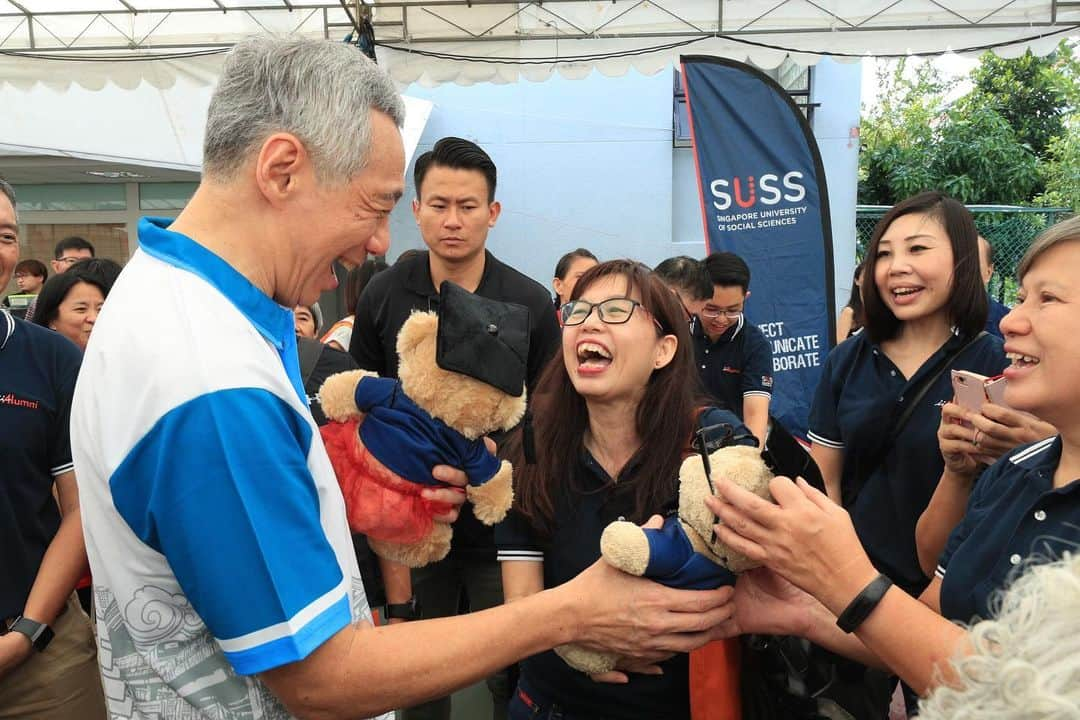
(493, 329)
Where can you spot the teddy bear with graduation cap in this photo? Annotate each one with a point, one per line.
(461, 376)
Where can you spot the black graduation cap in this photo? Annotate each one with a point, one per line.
(482, 338)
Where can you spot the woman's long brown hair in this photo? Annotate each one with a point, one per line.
(665, 418)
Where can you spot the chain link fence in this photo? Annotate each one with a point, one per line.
(1010, 230)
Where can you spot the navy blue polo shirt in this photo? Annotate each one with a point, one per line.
(1014, 516)
(573, 546)
(993, 318)
(739, 364)
(38, 369)
(859, 394)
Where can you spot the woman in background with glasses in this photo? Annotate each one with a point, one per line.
(614, 414)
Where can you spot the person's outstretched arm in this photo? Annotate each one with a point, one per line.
(362, 671)
(810, 541)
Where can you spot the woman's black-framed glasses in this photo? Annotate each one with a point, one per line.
(613, 311)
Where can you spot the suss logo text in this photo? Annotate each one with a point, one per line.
(745, 192)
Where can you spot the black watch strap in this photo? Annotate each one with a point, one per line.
(864, 603)
(403, 611)
(40, 634)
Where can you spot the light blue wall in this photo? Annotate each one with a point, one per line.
(582, 163)
(837, 87)
(590, 163)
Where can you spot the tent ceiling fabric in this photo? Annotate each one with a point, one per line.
(426, 40)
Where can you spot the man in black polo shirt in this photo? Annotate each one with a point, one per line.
(48, 667)
(455, 208)
(733, 356)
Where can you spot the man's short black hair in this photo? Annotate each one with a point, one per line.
(686, 274)
(32, 267)
(727, 270)
(73, 242)
(459, 154)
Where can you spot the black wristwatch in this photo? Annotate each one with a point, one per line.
(40, 634)
(403, 611)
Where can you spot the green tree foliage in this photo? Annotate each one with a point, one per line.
(979, 159)
(897, 137)
(1027, 91)
(1012, 139)
(1062, 172)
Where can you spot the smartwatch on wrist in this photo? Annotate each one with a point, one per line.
(40, 634)
(403, 611)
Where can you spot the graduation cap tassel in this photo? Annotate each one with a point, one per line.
(528, 443)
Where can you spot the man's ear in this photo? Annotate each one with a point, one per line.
(493, 213)
(281, 164)
(416, 209)
(746, 296)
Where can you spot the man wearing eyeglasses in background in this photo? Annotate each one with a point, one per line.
(733, 357)
(68, 251)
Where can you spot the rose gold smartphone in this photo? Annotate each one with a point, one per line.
(969, 389)
(995, 390)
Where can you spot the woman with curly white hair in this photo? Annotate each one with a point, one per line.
(1025, 509)
(1025, 663)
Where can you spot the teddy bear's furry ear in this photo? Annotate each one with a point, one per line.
(419, 327)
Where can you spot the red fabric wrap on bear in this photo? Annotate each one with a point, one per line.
(378, 502)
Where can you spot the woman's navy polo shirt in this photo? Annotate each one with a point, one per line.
(572, 548)
(859, 394)
(1014, 517)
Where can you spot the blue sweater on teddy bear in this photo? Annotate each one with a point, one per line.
(410, 442)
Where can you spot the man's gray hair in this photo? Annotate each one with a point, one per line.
(322, 92)
(9, 192)
(1064, 231)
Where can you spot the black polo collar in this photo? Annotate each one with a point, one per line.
(418, 277)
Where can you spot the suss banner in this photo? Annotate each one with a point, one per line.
(763, 197)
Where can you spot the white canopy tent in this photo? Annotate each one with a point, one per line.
(126, 42)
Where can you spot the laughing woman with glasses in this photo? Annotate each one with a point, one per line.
(614, 413)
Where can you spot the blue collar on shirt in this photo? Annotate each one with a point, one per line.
(1043, 455)
(273, 321)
